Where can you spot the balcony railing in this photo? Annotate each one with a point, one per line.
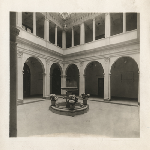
(119, 38)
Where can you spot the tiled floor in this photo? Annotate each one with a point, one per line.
(103, 120)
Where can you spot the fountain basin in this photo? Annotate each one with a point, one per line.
(61, 109)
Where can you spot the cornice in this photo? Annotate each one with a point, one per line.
(28, 43)
(14, 31)
(52, 17)
(82, 17)
(103, 53)
(76, 19)
(104, 49)
(124, 48)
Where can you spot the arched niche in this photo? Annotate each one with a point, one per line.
(36, 76)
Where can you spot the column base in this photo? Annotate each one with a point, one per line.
(19, 101)
(107, 99)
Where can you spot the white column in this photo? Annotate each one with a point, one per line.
(19, 19)
(34, 23)
(63, 39)
(46, 29)
(48, 64)
(94, 29)
(124, 22)
(107, 25)
(44, 84)
(82, 84)
(20, 77)
(72, 37)
(139, 89)
(107, 93)
(139, 92)
(82, 34)
(81, 79)
(55, 35)
(63, 84)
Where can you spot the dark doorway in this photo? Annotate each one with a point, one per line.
(56, 81)
(101, 87)
(26, 81)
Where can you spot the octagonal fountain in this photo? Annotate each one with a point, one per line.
(69, 107)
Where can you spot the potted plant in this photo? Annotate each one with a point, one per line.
(85, 98)
(53, 99)
(72, 101)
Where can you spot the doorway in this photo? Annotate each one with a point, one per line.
(101, 87)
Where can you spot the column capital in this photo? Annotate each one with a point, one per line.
(19, 54)
(107, 14)
(63, 76)
(81, 63)
(44, 73)
(93, 19)
(82, 75)
(106, 59)
(139, 72)
(55, 26)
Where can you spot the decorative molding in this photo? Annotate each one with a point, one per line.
(19, 54)
(107, 59)
(13, 45)
(63, 76)
(14, 31)
(81, 63)
(80, 18)
(38, 50)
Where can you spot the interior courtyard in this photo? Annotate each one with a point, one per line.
(99, 53)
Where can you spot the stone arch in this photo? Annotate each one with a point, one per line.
(90, 63)
(72, 77)
(117, 58)
(37, 75)
(55, 78)
(124, 78)
(70, 65)
(94, 79)
(39, 59)
(61, 70)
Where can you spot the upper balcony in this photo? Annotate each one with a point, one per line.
(104, 42)
(39, 41)
(104, 30)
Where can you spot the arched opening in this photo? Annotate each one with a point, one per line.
(72, 79)
(124, 79)
(32, 78)
(55, 80)
(94, 79)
